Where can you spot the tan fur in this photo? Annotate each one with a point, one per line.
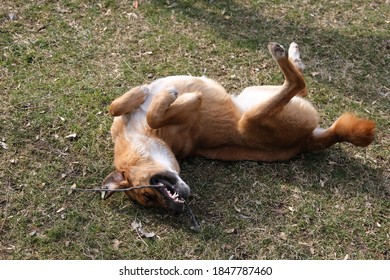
(194, 116)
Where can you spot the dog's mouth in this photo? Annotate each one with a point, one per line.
(174, 191)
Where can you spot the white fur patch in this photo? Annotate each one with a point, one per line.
(151, 149)
(253, 96)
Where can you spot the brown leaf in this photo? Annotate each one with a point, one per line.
(116, 244)
(230, 230)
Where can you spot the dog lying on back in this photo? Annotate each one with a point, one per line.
(181, 116)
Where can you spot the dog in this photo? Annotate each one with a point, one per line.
(181, 116)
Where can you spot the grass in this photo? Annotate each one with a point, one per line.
(63, 62)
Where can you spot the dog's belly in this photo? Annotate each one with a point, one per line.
(288, 127)
(253, 96)
(297, 112)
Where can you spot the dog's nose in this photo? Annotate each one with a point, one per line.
(172, 182)
(167, 179)
(183, 189)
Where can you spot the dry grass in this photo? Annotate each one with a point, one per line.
(62, 64)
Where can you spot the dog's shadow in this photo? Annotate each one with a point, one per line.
(226, 193)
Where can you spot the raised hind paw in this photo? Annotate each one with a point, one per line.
(277, 51)
(294, 56)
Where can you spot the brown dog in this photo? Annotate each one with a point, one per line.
(184, 116)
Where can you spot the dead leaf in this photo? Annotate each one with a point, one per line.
(3, 145)
(137, 226)
(315, 74)
(237, 209)
(61, 209)
(135, 4)
(280, 209)
(132, 16)
(146, 234)
(71, 136)
(230, 230)
(226, 247)
(11, 16)
(116, 244)
(244, 217)
(71, 189)
(283, 236)
(63, 10)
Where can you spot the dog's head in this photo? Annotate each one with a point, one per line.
(147, 162)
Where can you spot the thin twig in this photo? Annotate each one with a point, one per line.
(196, 225)
(117, 190)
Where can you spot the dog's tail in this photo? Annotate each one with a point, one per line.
(347, 128)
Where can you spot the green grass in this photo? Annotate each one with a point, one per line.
(63, 62)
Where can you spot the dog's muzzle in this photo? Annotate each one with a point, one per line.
(174, 189)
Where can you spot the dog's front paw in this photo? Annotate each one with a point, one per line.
(173, 92)
(191, 96)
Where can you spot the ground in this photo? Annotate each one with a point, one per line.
(63, 62)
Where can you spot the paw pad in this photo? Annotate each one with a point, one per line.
(276, 50)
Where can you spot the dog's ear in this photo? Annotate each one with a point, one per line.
(114, 181)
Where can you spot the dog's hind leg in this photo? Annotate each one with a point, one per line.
(294, 55)
(347, 128)
(293, 85)
(169, 108)
(128, 102)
